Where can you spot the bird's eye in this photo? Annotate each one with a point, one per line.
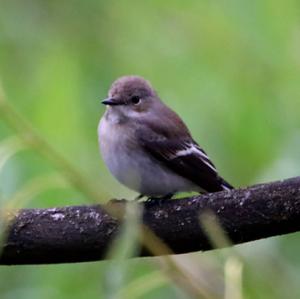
(135, 100)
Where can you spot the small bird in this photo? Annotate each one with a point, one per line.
(147, 146)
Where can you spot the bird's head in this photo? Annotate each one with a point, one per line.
(131, 97)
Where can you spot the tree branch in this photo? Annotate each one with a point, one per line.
(83, 233)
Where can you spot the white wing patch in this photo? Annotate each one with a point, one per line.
(194, 149)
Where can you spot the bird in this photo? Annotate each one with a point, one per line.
(147, 146)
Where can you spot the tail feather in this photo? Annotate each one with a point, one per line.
(225, 185)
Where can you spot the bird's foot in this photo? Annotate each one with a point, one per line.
(158, 200)
(168, 196)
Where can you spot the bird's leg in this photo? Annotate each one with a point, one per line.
(159, 200)
(168, 196)
(139, 197)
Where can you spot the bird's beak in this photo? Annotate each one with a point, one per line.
(111, 102)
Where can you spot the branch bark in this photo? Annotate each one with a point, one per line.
(84, 233)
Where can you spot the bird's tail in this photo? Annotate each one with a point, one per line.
(225, 185)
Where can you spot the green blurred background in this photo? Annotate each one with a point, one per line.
(231, 69)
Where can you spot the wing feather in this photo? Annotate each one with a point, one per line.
(185, 158)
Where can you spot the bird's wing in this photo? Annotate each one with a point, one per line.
(185, 158)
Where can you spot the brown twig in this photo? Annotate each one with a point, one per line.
(84, 233)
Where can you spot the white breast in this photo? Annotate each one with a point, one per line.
(134, 168)
(114, 143)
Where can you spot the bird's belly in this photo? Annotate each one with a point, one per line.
(146, 176)
(156, 180)
(143, 174)
(134, 168)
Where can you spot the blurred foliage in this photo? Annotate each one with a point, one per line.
(231, 69)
